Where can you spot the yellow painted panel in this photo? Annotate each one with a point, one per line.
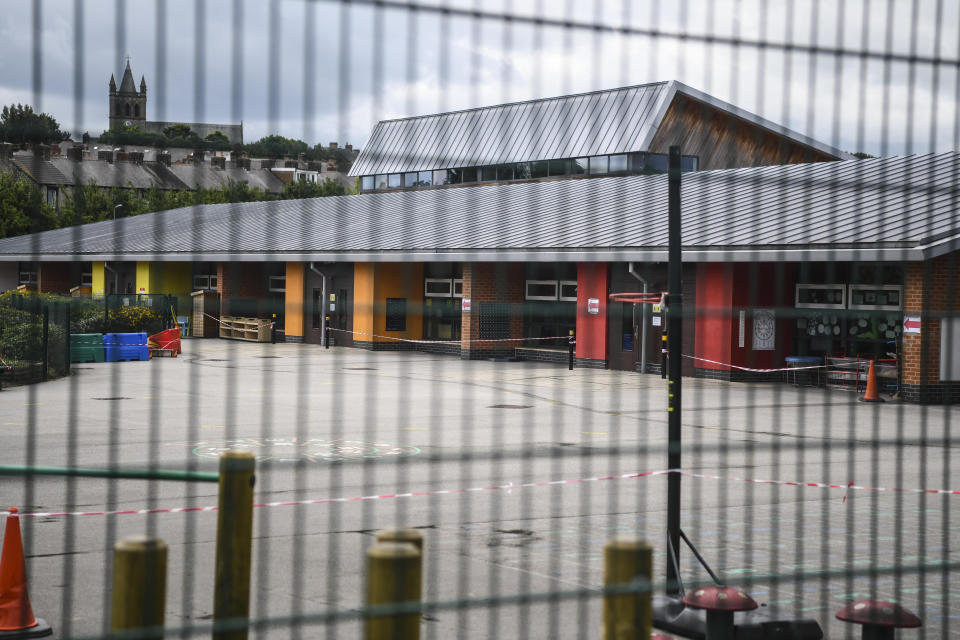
(293, 299)
(175, 277)
(99, 280)
(145, 283)
(363, 273)
(399, 280)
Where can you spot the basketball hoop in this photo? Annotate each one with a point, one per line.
(637, 298)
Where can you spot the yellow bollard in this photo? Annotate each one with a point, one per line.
(231, 597)
(139, 586)
(627, 616)
(394, 571)
(413, 536)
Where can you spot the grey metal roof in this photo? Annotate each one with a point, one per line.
(208, 177)
(601, 122)
(904, 208)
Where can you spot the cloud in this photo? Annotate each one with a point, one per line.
(328, 71)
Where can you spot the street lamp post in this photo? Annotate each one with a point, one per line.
(119, 206)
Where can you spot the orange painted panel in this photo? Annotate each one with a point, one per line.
(293, 299)
(363, 273)
(398, 280)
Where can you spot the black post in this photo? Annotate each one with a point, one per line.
(675, 342)
(66, 337)
(43, 343)
(663, 357)
(273, 330)
(572, 345)
(326, 334)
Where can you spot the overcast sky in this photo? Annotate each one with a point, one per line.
(327, 70)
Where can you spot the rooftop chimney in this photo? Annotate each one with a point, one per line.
(348, 147)
(135, 157)
(164, 158)
(105, 155)
(333, 145)
(41, 151)
(75, 153)
(219, 162)
(243, 163)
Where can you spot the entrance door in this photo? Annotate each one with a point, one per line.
(624, 341)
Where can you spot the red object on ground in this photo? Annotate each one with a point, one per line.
(15, 610)
(168, 339)
(872, 394)
(716, 598)
(878, 613)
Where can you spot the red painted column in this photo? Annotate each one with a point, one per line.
(592, 284)
(714, 323)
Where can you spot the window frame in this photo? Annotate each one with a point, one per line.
(561, 284)
(428, 281)
(556, 289)
(272, 284)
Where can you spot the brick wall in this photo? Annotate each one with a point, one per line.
(57, 277)
(491, 282)
(931, 291)
(246, 280)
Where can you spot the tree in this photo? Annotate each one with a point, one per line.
(302, 189)
(217, 136)
(22, 208)
(277, 147)
(179, 131)
(19, 124)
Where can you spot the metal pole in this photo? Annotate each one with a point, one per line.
(394, 576)
(572, 345)
(411, 536)
(628, 615)
(66, 336)
(139, 586)
(45, 356)
(675, 343)
(231, 598)
(326, 335)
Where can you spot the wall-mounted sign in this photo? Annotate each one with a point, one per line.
(465, 304)
(657, 320)
(911, 325)
(656, 308)
(764, 329)
(743, 328)
(593, 305)
(333, 297)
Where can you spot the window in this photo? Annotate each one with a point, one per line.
(469, 174)
(136, 110)
(410, 179)
(568, 290)
(396, 317)
(86, 276)
(380, 181)
(559, 167)
(618, 163)
(599, 164)
(52, 196)
(578, 166)
(440, 177)
(394, 181)
(437, 287)
(626, 326)
(28, 273)
(820, 296)
(689, 163)
(887, 297)
(657, 162)
(541, 289)
(317, 307)
(458, 287)
(504, 172)
(126, 109)
(521, 171)
(488, 174)
(424, 178)
(366, 183)
(204, 282)
(277, 284)
(454, 176)
(539, 169)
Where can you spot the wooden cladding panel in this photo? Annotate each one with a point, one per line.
(725, 142)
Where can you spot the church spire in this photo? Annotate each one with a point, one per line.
(143, 84)
(127, 84)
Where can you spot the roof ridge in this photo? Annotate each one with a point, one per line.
(530, 101)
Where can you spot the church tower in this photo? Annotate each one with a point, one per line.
(128, 107)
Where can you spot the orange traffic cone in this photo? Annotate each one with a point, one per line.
(16, 614)
(871, 394)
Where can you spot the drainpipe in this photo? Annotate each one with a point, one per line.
(643, 319)
(323, 305)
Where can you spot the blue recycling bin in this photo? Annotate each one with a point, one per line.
(125, 347)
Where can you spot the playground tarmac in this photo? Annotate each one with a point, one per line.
(516, 473)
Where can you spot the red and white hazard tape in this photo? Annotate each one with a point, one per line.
(502, 487)
(4, 363)
(738, 368)
(465, 341)
(230, 326)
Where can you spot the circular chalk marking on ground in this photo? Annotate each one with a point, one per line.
(510, 406)
(113, 398)
(294, 450)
